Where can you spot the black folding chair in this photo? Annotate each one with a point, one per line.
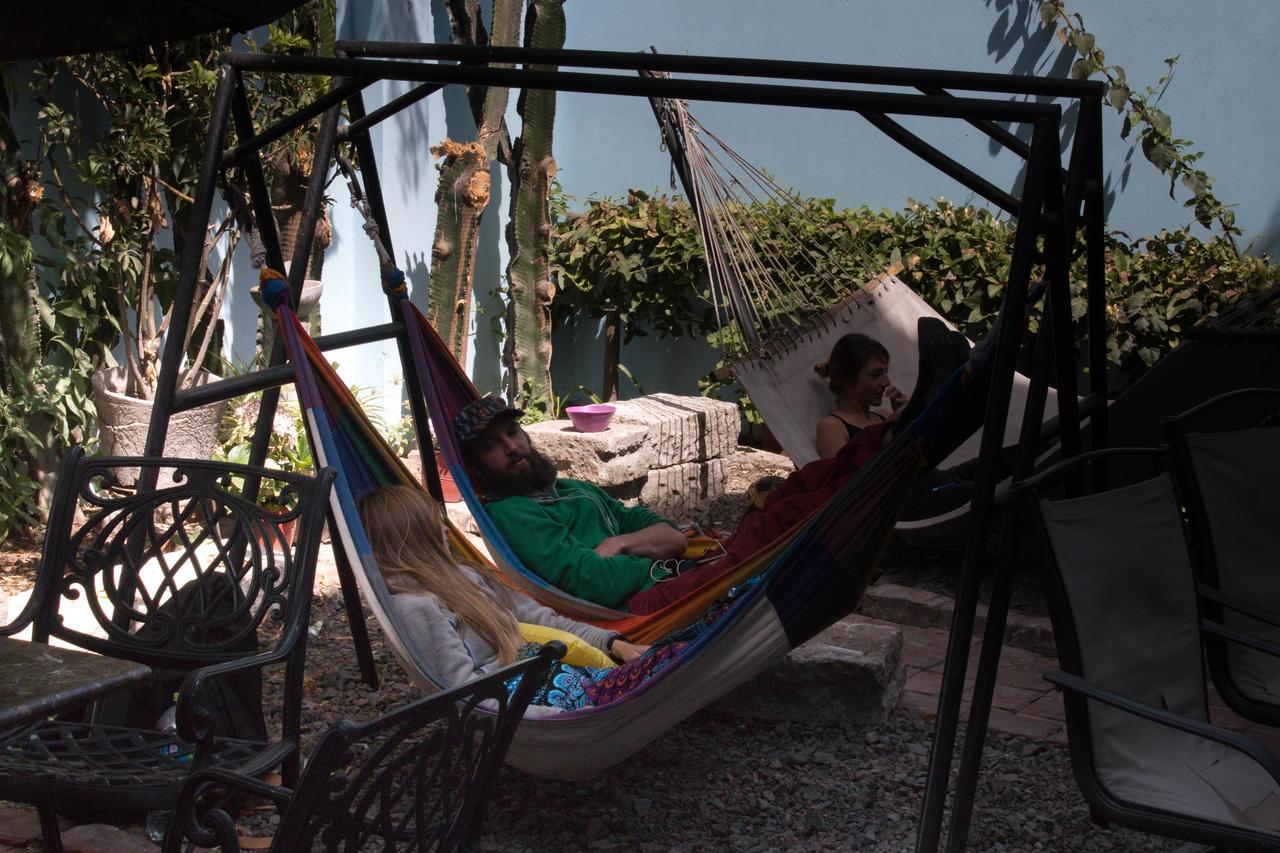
(416, 779)
(191, 579)
(1117, 578)
(1226, 464)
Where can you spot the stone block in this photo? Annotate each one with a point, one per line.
(852, 672)
(679, 491)
(906, 605)
(104, 838)
(683, 429)
(19, 825)
(618, 455)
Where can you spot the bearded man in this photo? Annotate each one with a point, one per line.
(571, 533)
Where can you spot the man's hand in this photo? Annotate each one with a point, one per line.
(657, 542)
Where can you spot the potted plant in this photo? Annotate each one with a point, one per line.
(288, 449)
(121, 159)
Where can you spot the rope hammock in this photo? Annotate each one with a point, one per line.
(787, 592)
(792, 285)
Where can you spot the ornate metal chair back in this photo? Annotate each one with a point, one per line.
(180, 575)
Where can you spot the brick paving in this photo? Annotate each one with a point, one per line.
(1023, 703)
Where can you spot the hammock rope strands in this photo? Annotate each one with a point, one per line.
(759, 242)
(806, 580)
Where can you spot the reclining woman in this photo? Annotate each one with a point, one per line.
(466, 625)
(858, 374)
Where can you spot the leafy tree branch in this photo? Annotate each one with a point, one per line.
(1172, 155)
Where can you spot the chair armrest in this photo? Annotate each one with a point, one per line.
(25, 618)
(1234, 636)
(214, 827)
(1055, 473)
(1244, 608)
(191, 727)
(1239, 742)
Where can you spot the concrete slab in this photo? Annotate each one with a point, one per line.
(852, 672)
(620, 454)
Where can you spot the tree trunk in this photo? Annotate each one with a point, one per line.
(612, 356)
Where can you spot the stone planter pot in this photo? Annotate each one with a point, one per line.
(312, 289)
(123, 421)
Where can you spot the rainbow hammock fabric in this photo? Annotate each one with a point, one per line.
(807, 580)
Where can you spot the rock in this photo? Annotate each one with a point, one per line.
(852, 672)
(19, 825)
(682, 429)
(103, 838)
(620, 455)
(680, 490)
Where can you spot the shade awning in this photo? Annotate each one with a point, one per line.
(40, 30)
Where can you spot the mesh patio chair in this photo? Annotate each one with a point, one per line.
(1226, 464)
(1117, 578)
(188, 579)
(416, 779)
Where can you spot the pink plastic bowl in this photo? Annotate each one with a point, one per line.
(592, 418)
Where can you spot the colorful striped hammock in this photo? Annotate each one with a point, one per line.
(807, 579)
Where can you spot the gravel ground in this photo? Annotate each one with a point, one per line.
(719, 783)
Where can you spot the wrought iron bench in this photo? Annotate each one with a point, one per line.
(415, 779)
(188, 578)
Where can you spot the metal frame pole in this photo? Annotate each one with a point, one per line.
(1044, 138)
(1054, 343)
(413, 382)
(189, 272)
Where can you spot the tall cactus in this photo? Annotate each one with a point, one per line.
(528, 343)
(463, 192)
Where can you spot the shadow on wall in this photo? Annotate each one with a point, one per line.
(403, 21)
(1039, 53)
(1268, 240)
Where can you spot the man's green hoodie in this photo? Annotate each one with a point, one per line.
(554, 537)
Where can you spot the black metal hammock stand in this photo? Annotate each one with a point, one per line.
(1053, 205)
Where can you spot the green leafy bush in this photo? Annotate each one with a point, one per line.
(639, 259)
(956, 257)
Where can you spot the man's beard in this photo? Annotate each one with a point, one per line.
(537, 476)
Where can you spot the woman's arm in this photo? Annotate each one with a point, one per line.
(832, 435)
(432, 634)
(528, 610)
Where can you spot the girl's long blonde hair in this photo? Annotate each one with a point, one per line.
(404, 529)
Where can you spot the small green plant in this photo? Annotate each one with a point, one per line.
(638, 264)
(288, 449)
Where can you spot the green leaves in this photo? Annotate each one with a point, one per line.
(1171, 156)
(640, 258)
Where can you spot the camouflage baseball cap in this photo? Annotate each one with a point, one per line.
(476, 416)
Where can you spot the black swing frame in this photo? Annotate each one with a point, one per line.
(1055, 205)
